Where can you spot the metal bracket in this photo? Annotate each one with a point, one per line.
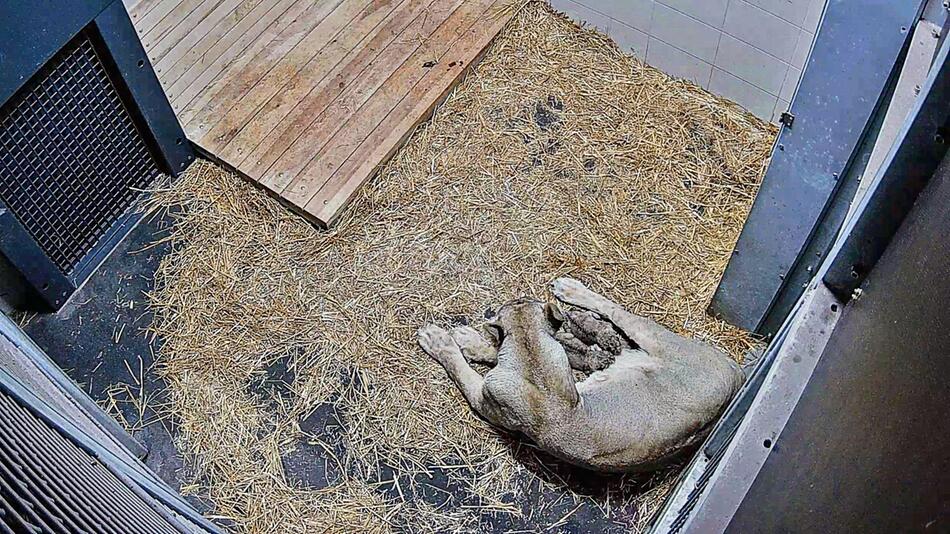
(787, 119)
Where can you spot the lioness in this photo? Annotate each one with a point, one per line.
(658, 396)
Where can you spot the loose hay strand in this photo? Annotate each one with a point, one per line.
(557, 155)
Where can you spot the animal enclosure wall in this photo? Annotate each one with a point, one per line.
(749, 51)
(557, 155)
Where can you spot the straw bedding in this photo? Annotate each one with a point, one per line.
(557, 155)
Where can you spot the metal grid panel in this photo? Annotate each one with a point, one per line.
(71, 159)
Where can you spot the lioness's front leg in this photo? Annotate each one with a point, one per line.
(438, 343)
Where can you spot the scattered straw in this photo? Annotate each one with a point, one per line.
(558, 155)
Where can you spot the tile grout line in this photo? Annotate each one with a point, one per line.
(723, 23)
(799, 25)
(649, 31)
(714, 66)
(627, 24)
(721, 30)
(725, 12)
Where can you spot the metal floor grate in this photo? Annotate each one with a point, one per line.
(71, 158)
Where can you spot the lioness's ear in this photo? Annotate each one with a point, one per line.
(554, 314)
(494, 332)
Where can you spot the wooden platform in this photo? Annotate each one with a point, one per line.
(309, 98)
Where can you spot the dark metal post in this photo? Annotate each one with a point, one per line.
(857, 47)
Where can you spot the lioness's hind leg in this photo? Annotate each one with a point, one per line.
(474, 346)
(646, 333)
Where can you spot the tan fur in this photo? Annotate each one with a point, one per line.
(651, 403)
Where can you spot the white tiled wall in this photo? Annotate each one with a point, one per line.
(750, 51)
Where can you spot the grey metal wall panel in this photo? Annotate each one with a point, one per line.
(48, 484)
(144, 90)
(920, 146)
(26, 362)
(84, 126)
(150, 491)
(854, 55)
(866, 448)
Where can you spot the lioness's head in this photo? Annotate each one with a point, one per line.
(523, 315)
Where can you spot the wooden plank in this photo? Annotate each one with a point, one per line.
(139, 10)
(392, 132)
(192, 115)
(188, 25)
(201, 36)
(308, 96)
(346, 133)
(250, 32)
(183, 57)
(155, 15)
(311, 97)
(288, 67)
(160, 19)
(241, 82)
(415, 44)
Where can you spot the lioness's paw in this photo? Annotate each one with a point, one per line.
(570, 291)
(437, 342)
(475, 347)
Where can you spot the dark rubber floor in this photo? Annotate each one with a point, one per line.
(99, 339)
